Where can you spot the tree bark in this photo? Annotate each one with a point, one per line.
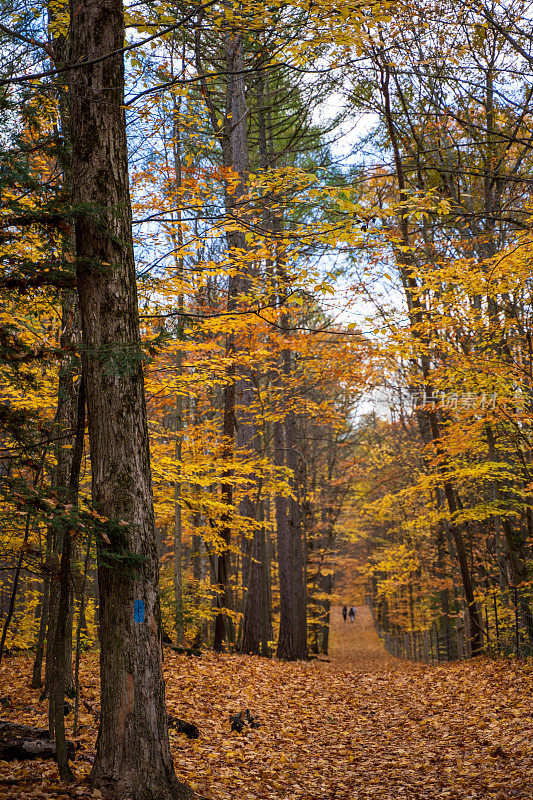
(292, 639)
(257, 622)
(62, 644)
(179, 263)
(68, 392)
(133, 751)
(295, 526)
(80, 627)
(233, 140)
(326, 584)
(36, 680)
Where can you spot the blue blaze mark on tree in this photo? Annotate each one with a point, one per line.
(138, 611)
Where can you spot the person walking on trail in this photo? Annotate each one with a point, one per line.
(352, 614)
(344, 613)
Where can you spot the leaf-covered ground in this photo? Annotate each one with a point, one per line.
(362, 726)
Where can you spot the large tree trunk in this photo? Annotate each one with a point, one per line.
(133, 751)
(251, 635)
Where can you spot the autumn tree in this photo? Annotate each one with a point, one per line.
(133, 751)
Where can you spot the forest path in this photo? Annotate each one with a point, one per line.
(357, 644)
(362, 727)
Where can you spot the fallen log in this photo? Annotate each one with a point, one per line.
(23, 742)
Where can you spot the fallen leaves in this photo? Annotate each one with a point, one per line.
(361, 727)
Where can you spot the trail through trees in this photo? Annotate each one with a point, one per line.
(364, 725)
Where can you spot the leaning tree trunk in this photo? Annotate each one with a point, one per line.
(133, 751)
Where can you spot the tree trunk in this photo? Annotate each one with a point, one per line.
(327, 588)
(233, 139)
(223, 623)
(68, 390)
(133, 751)
(36, 680)
(292, 640)
(257, 622)
(296, 530)
(79, 629)
(256, 614)
(444, 594)
(178, 572)
(515, 547)
(67, 394)
(178, 259)
(63, 624)
(252, 620)
(475, 627)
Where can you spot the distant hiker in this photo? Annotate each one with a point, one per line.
(344, 613)
(352, 614)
